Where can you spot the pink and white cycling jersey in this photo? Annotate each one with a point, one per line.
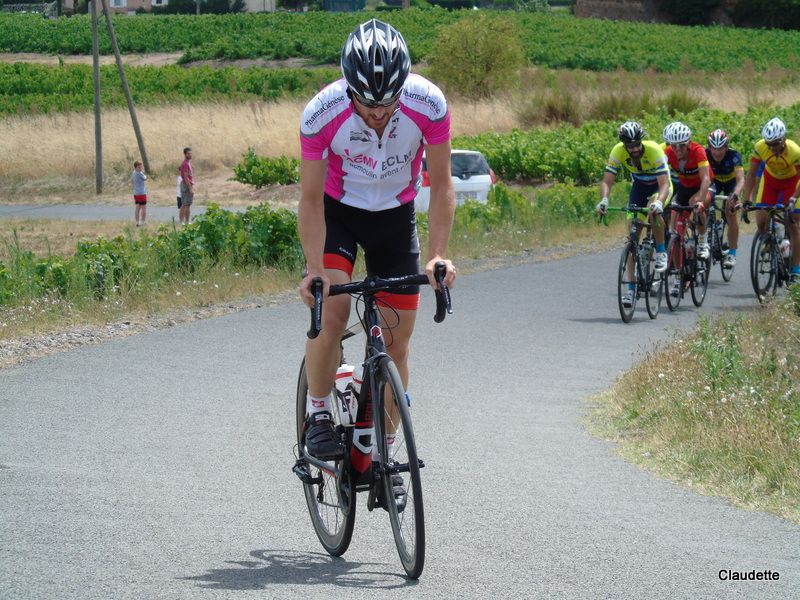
(366, 171)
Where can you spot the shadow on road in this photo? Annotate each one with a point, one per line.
(288, 567)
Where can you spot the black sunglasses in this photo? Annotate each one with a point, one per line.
(372, 104)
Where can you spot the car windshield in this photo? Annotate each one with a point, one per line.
(468, 164)
(464, 165)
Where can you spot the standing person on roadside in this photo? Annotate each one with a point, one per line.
(779, 181)
(645, 161)
(726, 164)
(187, 186)
(362, 139)
(689, 161)
(138, 178)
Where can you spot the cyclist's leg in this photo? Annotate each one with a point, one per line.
(768, 194)
(391, 249)
(640, 193)
(729, 214)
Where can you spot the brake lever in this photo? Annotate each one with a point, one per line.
(316, 310)
(444, 305)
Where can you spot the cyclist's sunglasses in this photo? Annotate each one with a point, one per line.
(680, 145)
(633, 146)
(777, 144)
(372, 104)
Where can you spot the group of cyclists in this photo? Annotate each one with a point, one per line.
(682, 172)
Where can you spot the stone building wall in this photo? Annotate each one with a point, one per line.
(636, 10)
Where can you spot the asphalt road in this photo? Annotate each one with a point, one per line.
(159, 466)
(91, 212)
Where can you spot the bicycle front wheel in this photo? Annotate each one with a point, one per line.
(626, 285)
(699, 283)
(401, 484)
(654, 286)
(330, 499)
(673, 276)
(727, 272)
(763, 265)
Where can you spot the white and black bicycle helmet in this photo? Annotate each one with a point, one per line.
(774, 130)
(718, 139)
(630, 132)
(677, 133)
(375, 61)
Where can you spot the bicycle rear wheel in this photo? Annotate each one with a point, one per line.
(673, 276)
(727, 272)
(699, 282)
(399, 460)
(626, 284)
(654, 286)
(763, 266)
(330, 500)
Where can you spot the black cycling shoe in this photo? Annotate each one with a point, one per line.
(399, 493)
(322, 440)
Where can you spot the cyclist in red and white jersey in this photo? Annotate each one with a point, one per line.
(362, 139)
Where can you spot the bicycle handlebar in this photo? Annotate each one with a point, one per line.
(789, 208)
(375, 284)
(636, 210)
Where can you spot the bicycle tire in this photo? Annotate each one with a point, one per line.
(653, 297)
(623, 282)
(408, 522)
(699, 282)
(673, 276)
(331, 502)
(727, 272)
(763, 266)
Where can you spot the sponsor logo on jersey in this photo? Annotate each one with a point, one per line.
(324, 105)
(360, 136)
(360, 159)
(424, 99)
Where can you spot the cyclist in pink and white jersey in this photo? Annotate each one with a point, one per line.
(362, 139)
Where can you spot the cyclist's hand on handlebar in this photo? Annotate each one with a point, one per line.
(656, 207)
(746, 205)
(602, 207)
(306, 295)
(450, 273)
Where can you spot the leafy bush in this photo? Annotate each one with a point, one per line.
(478, 57)
(103, 268)
(260, 171)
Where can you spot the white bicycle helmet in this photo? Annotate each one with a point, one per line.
(774, 130)
(375, 61)
(718, 139)
(677, 133)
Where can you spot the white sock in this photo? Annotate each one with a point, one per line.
(391, 440)
(316, 405)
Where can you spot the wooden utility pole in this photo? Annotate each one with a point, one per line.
(98, 136)
(125, 88)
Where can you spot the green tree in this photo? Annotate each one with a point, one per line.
(478, 57)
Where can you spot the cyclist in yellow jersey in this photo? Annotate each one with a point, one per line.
(645, 161)
(780, 180)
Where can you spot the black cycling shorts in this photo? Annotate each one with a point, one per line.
(683, 194)
(388, 237)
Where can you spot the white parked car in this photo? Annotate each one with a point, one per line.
(472, 179)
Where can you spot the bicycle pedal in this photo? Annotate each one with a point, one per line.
(301, 470)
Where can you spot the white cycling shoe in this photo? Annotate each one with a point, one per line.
(661, 262)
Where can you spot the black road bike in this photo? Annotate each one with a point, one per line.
(685, 269)
(717, 235)
(770, 266)
(644, 282)
(392, 480)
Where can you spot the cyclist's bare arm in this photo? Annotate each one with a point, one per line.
(705, 182)
(663, 188)
(750, 180)
(606, 184)
(441, 209)
(311, 224)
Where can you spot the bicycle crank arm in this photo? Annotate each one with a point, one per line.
(403, 468)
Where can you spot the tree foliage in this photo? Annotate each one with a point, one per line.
(477, 57)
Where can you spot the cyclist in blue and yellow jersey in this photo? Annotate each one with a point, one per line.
(780, 180)
(645, 161)
(361, 141)
(726, 163)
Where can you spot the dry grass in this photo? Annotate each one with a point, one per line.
(55, 237)
(718, 411)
